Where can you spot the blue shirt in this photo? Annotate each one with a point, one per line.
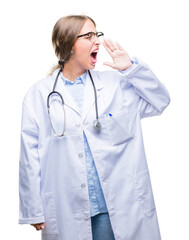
(96, 196)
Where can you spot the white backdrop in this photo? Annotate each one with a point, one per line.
(154, 31)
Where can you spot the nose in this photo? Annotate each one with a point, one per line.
(97, 41)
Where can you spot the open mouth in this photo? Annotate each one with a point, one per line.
(94, 56)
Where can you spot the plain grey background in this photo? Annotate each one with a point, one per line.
(154, 31)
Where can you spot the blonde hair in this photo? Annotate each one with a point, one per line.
(64, 35)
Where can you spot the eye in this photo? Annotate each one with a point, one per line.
(89, 35)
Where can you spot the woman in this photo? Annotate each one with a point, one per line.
(83, 171)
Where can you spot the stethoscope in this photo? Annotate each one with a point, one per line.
(96, 122)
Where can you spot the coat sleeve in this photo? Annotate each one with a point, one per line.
(153, 96)
(31, 210)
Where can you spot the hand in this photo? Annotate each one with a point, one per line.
(38, 226)
(121, 60)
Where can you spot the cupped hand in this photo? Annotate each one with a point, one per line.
(38, 226)
(121, 60)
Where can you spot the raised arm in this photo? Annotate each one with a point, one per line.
(153, 95)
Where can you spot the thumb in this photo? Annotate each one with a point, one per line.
(109, 64)
(42, 225)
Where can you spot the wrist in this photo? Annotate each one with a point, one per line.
(128, 66)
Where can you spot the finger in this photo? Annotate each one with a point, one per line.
(38, 226)
(42, 226)
(113, 45)
(109, 45)
(119, 46)
(106, 47)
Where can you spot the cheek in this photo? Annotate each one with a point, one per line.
(83, 50)
(82, 55)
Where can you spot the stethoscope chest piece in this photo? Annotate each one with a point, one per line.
(97, 125)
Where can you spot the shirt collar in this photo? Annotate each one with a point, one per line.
(78, 80)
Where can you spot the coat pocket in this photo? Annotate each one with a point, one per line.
(49, 213)
(144, 192)
(119, 127)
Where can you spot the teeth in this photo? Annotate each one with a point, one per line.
(95, 51)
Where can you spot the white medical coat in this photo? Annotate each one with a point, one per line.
(53, 178)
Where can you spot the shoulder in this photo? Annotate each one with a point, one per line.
(40, 88)
(36, 97)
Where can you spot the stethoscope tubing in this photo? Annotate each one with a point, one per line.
(96, 122)
(96, 104)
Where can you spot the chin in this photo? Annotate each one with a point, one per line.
(91, 66)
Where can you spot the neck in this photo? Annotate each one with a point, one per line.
(71, 72)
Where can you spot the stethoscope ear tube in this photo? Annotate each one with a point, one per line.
(64, 127)
(48, 98)
(57, 79)
(48, 107)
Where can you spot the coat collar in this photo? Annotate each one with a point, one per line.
(89, 97)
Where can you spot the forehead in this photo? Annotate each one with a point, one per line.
(88, 27)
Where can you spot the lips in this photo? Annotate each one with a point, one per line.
(94, 56)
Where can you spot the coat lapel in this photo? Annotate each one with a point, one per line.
(68, 100)
(89, 96)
